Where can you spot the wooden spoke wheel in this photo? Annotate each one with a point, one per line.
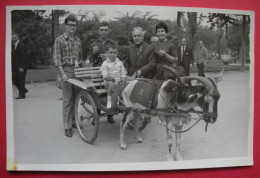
(86, 116)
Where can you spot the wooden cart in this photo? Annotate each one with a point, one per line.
(90, 102)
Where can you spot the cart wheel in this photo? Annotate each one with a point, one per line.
(143, 123)
(86, 115)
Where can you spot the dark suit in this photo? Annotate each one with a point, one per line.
(138, 60)
(19, 60)
(186, 59)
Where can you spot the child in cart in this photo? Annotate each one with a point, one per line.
(113, 72)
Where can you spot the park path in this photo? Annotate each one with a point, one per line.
(39, 134)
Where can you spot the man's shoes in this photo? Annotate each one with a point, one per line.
(74, 126)
(68, 132)
(110, 119)
(111, 111)
(20, 97)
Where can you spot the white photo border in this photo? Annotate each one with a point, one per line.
(191, 164)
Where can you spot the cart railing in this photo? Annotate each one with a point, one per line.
(89, 78)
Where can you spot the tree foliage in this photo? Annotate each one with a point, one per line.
(120, 28)
(38, 30)
(32, 28)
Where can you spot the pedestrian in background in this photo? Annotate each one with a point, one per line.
(201, 56)
(185, 57)
(19, 65)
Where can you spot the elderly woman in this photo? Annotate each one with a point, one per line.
(138, 55)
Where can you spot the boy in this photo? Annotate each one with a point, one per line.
(112, 71)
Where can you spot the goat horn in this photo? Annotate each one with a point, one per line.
(203, 80)
(173, 71)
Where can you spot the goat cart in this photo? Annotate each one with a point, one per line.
(91, 101)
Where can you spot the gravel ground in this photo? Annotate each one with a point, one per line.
(39, 134)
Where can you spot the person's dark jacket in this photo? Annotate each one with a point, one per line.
(136, 61)
(19, 56)
(186, 60)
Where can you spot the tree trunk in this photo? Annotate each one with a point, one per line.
(55, 24)
(220, 35)
(243, 44)
(192, 27)
(179, 14)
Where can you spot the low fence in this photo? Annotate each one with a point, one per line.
(50, 73)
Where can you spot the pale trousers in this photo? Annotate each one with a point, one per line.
(68, 99)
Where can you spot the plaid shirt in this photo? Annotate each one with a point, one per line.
(67, 51)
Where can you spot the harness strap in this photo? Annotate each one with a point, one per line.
(216, 92)
(210, 114)
(152, 96)
(180, 131)
(206, 127)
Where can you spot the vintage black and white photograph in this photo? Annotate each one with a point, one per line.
(126, 88)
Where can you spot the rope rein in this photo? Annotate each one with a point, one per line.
(173, 109)
(201, 118)
(170, 107)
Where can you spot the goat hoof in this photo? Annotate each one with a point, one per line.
(139, 140)
(123, 146)
(178, 158)
(169, 158)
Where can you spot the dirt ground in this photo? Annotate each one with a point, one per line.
(39, 135)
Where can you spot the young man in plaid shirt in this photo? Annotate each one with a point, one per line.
(67, 52)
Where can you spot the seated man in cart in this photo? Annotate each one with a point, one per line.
(113, 71)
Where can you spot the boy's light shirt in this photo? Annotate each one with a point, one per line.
(113, 69)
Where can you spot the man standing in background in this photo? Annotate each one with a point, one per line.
(185, 57)
(66, 54)
(98, 47)
(201, 56)
(19, 65)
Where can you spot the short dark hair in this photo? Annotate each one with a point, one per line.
(103, 24)
(184, 38)
(161, 25)
(112, 45)
(70, 18)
